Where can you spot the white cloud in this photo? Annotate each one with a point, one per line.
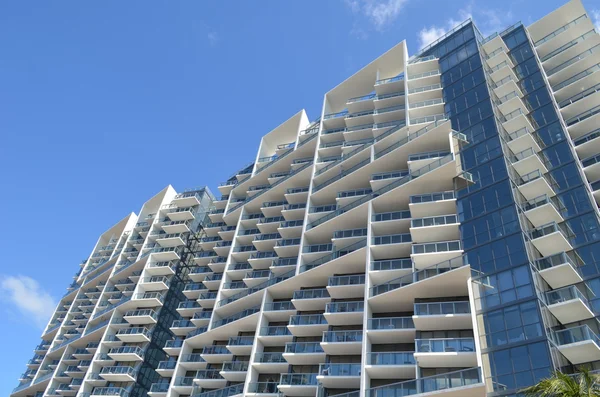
(428, 35)
(596, 19)
(488, 20)
(213, 38)
(28, 297)
(379, 12)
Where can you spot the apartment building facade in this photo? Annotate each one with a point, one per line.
(434, 231)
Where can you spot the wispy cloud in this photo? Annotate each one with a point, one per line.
(213, 38)
(488, 20)
(596, 19)
(25, 294)
(380, 13)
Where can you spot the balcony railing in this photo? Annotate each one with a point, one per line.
(342, 336)
(335, 369)
(442, 308)
(391, 358)
(575, 334)
(392, 264)
(444, 345)
(419, 275)
(430, 384)
(298, 379)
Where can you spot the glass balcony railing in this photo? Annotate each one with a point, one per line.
(275, 331)
(237, 316)
(419, 275)
(134, 331)
(391, 216)
(575, 78)
(388, 175)
(428, 248)
(392, 239)
(549, 229)
(277, 306)
(399, 182)
(291, 261)
(127, 350)
(444, 345)
(342, 336)
(354, 193)
(269, 357)
(391, 358)
(430, 384)
(554, 260)
(298, 380)
(209, 374)
(580, 333)
(317, 248)
(337, 369)
(345, 307)
(226, 392)
(236, 366)
(338, 281)
(159, 387)
(192, 358)
(311, 294)
(308, 319)
(565, 294)
(334, 255)
(241, 341)
(119, 370)
(362, 232)
(434, 221)
(399, 77)
(166, 365)
(289, 242)
(184, 381)
(431, 197)
(263, 387)
(392, 264)
(109, 391)
(174, 343)
(442, 308)
(560, 30)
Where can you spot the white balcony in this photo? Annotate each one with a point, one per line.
(298, 385)
(126, 353)
(308, 325)
(271, 362)
(435, 228)
(558, 270)
(342, 342)
(568, 305)
(442, 316)
(391, 330)
(144, 316)
(551, 239)
(303, 353)
(311, 299)
(210, 379)
(391, 365)
(344, 313)
(445, 353)
(444, 280)
(578, 344)
(542, 210)
(346, 287)
(118, 374)
(336, 375)
(235, 371)
(274, 335)
(429, 254)
(170, 240)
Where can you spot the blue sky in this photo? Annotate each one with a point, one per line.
(102, 104)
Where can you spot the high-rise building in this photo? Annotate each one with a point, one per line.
(435, 231)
